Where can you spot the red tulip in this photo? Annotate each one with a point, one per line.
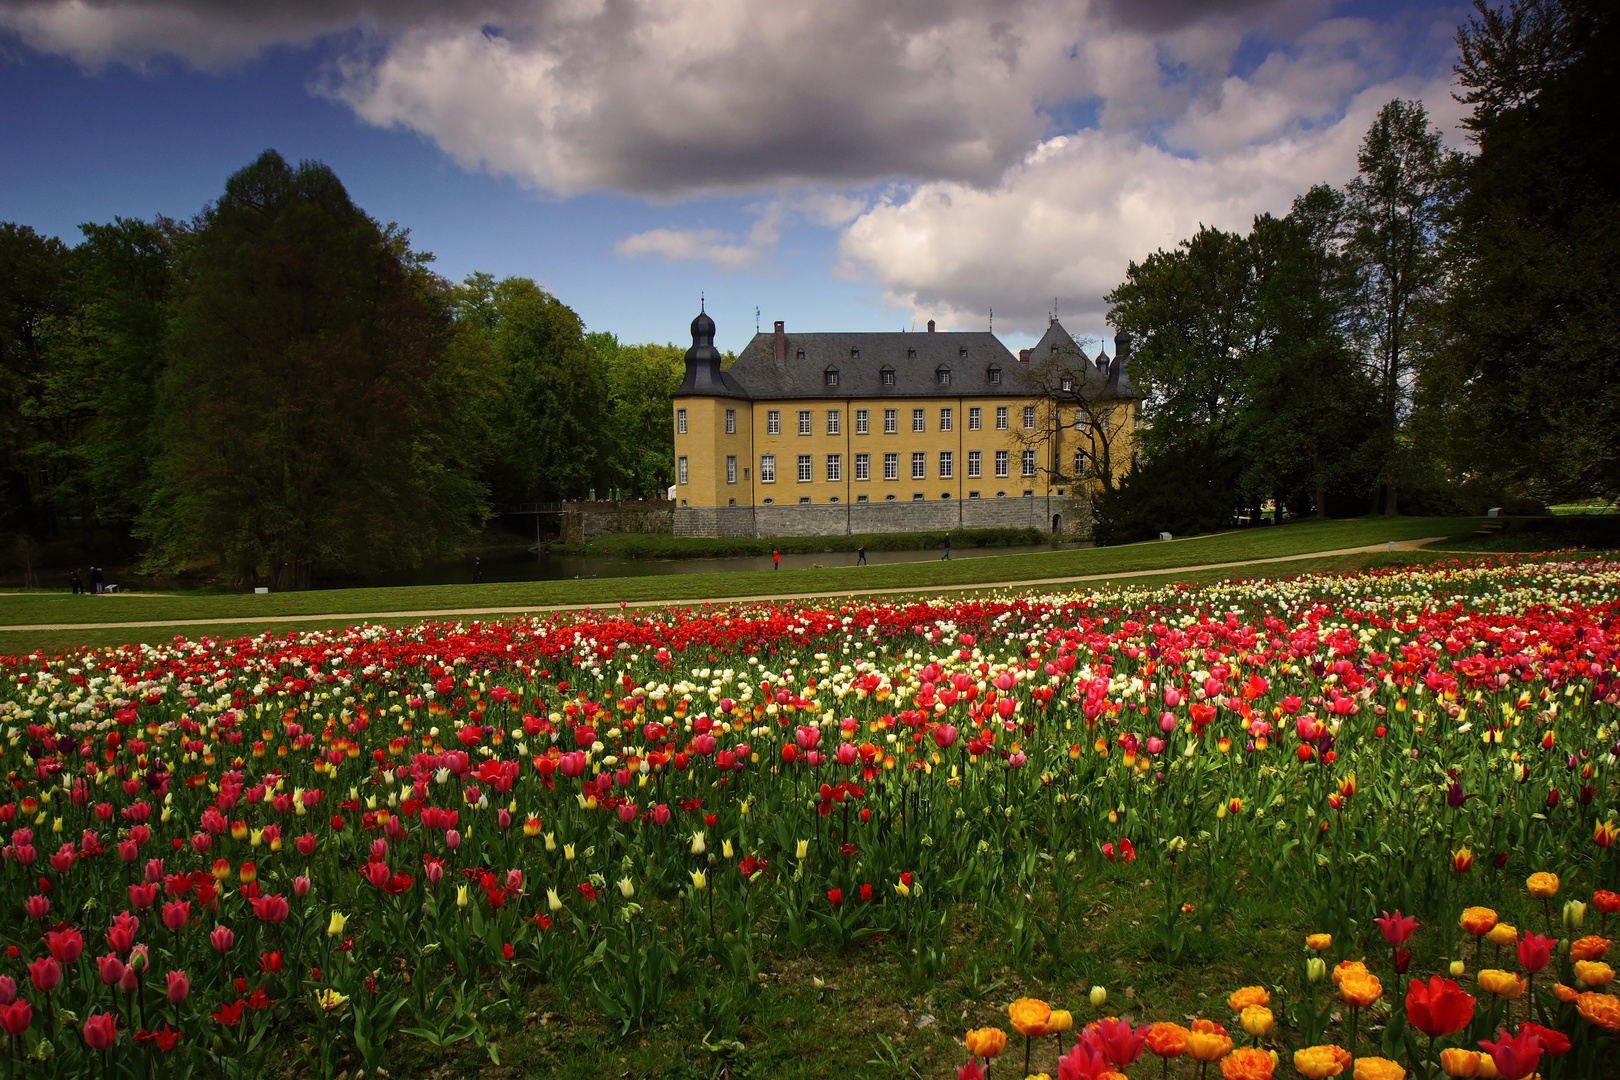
(1438, 1009)
(1514, 1058)
(65, 945)
(45, 973)
(271, 908)
(15, 1017)
(1555, 1043)
(835, 897)
(1122, 1044)
(100, 1031)
(1534, 952)
(110, 968)
(178, 987)
(1395, 928)
(175, 913)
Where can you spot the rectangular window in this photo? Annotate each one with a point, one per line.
(1001, 463)
(946, 419)
(919, 420)
(680, 421)
(804, 468)
(862, 424)
(975, 464)
(804, 421)
(863, 466)
(975, 416)
(731, 421)
(680, 469)
(731, 469)
(835, 468)
(947, 464)
(919, 465)
(1081, 423)
(891, 421)
(1079, 462)
(767, 468)
(834, 421)
(773, 421)
(1029, 418)
(891, 466)
(1028, 463)
(1001, 418)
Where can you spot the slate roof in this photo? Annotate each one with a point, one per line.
(860, 359)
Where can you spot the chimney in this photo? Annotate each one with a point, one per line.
(781, 343)
(1023, 356)
(930, 326)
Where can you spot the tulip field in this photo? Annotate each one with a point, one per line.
(406, 851)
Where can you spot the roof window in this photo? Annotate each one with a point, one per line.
(888, 375)
(992, 374)
(832, 376)
(943, 375)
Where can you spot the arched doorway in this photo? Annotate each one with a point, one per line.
(1057, 524)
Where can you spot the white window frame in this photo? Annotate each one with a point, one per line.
(975, 418)
(731, 468)
(806, 475)
(804, 421)
(863, 422)
(1027, 464)
(1001, 418)
(891, 421)
(835, 468)
(947, 418)
(680, 421)
(919, 465)
(835, 421)
(891, 466)
(731, 421)
(767, 468)
(863, 466)
(919, 419)
(680, 469)
(975, 464)
(947, 464)
(1003, 462)
(773, 421)
(1029, 418)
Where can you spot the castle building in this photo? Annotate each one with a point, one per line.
(833, 434)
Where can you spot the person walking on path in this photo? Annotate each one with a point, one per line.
(947, 556)
(75, 583)
(861, 551)
(776, 559)
(478, 572)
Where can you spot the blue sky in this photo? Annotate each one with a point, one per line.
(831, 197)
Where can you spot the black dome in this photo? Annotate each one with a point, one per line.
(703, 329)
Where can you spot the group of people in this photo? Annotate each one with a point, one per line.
(776, 556)
(93, 582)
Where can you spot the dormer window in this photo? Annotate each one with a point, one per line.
(832, 376)
(993, 374)
(1068, 383)
(911, 354)
(962, 352)
(801, 354)
(943, 376)
(854, 354)
(888, 375)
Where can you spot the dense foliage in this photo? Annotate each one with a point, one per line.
(282, 386)
(384, 839)
(1439, 335)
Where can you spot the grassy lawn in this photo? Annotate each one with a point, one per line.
(22, 609)
(15, 642)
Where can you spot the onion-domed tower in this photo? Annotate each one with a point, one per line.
(713, 444)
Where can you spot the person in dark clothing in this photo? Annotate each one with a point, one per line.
(861, 551)
(776, 559)
(75, 583)
(947, 556)
(95, 580)
(478, 572)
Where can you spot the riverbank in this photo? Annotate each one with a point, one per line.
(663, 546)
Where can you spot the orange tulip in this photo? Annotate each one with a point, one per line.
(1029, 1016)
(1478, 921)
(1321, 1062)
(1459, 1063)
(1360, 990)
(1590, 947)
(1248, 995)
(1167, 1040)
(1377, 1068)
(1247, 1063)
(1542, 886)
(1601, 1009)
(1208, 1041)
(986, 1042)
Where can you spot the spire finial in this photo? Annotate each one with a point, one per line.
(701, 302)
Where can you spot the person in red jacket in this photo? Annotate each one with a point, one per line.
(776, 559)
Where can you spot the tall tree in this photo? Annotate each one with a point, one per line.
(35, 275)
(1526, 383)
(1395, 205)
(640, 380)
(300, 412)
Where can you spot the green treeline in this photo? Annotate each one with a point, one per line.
(282, 386)
(1440, 335)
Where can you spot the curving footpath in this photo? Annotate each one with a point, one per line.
(260, 620)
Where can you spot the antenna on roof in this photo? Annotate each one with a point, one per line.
(1054, 308)
(992, 320)
(756, 320)
(700, 302)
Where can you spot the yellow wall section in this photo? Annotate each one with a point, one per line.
(705, 446)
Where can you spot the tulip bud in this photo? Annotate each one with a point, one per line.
(699, 845)
(553, 901)
(461, 896)
(1315, 970)
(1457, 969)
(1099, 996)
(551, 841)
(568, 852)
(1574, 914)
(802, 852)
(627, 889)
(726, 849)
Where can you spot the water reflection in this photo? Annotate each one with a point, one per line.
(524, 566)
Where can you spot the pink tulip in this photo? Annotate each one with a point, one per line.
(111, 969)
(175, 913)
(300, 886)
(37, 906)
(179, 987)
(221, 938)
(100, 1030)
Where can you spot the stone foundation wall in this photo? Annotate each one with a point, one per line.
(583, 522)
(830, 519)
